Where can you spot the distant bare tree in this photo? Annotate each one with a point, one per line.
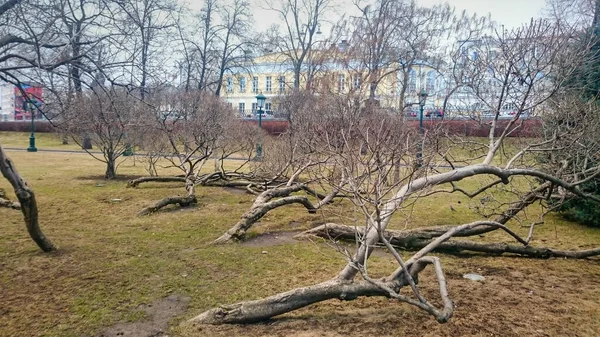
(233, 39)
(301, 24)
(112, 119)
(192, 127)
(145, 24)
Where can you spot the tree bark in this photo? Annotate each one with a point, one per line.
(111, 171)
(28, 203)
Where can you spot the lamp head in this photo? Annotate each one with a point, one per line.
(260, 100)
(422, 97)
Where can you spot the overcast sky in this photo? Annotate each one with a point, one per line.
(511, 13)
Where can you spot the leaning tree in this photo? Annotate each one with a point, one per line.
(529, 65)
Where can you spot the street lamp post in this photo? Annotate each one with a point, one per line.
(31, 147)
(260, 103)
(422, 99)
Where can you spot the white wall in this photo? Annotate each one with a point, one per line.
(7, 101)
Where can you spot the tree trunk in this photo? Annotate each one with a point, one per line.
(111, 171)
(86, 144)
(28, 203)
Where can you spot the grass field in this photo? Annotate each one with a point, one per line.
(111, 262)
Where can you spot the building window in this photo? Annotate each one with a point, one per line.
(255, 84)
(281, 84)
(268, 84)
(242, 108)
(356, 81)
(229, 84)
(412, 81)
(254, 107)
(430, 82)
(341, 83)
(242, 84)
(268, 107)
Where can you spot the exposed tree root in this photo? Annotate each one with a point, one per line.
(27, 201)
(419, 238)
(136, 182)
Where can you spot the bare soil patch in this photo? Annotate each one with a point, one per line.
(271, 239)
(156, 322)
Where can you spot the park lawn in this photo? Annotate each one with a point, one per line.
(43, 141)
(111, 261)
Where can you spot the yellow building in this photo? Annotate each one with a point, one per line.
(327, 71)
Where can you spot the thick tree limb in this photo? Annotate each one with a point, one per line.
(136, 182)
(420, 238)
(260, 310)
(181, 201)
(185, 201)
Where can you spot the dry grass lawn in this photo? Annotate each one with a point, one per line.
(111, 262)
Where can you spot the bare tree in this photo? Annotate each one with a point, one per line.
(291, 166)
(198, 43)
(196, 126)
(111, 117)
